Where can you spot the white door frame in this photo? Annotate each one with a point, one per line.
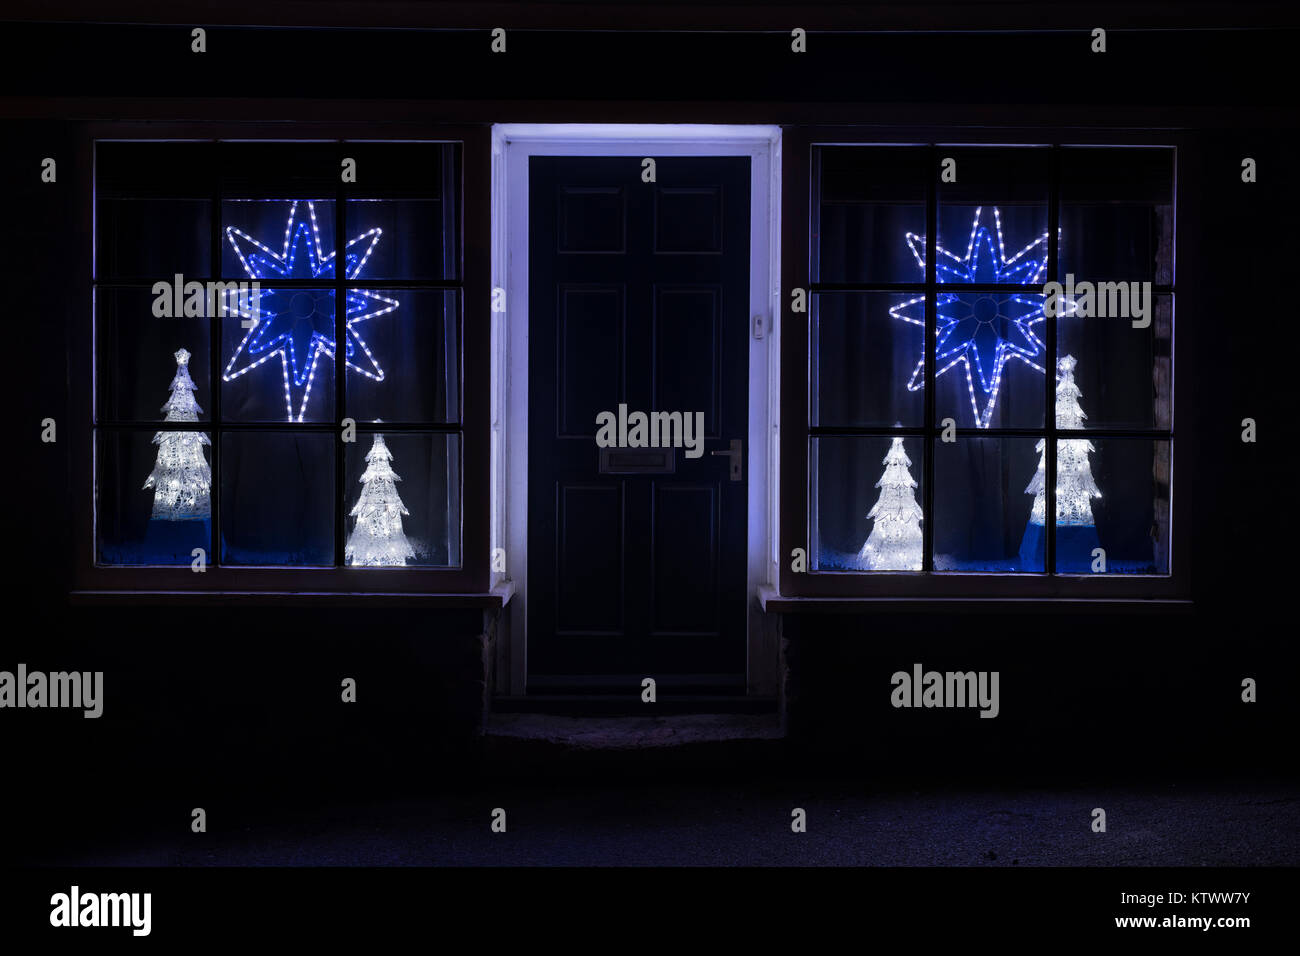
(512, 145)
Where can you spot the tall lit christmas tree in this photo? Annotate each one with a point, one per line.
(1076, 532)
(377, 539)
(181, 478)
(895, 540)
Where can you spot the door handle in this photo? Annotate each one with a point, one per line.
(734, 453)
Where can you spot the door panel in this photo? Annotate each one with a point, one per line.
(590, 597)
(638, 295)
(591, 339)
(687, 360)
(685, 522)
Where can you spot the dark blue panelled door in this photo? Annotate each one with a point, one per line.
(638, 296)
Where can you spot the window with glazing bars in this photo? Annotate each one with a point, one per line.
(956, 398)
(225, 316)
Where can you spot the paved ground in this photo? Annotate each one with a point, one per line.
(640, 823)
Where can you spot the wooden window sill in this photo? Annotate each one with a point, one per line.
(773, 603)
(495, 599)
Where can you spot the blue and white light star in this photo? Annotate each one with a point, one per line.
(982, 332)
(284, 322)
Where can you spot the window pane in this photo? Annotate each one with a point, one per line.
(416, 348)
(410, 191)
(282, 238)
(278, 358)
(1124, 373)
(153, 496)
(990, 361)
(982, 512)
(402, 500)
(866, 368)
(993, 218)
(867, 202)
(153, 238)
(153, 211)
(412, 238)
(866, 503)
(277, 498)
(1112, 494)
(136, 357)
(1117, 219)
(269, 169)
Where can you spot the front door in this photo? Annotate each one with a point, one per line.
(638, 297)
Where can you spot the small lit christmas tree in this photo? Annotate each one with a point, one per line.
(1076, 532)
(377, 539)
(181, 478)
(895, 540)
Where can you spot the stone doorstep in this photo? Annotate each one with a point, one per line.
(632, 733)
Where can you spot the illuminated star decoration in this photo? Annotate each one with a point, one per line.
(982, 331)
(284, 322)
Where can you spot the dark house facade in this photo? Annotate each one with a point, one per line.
(728, 358)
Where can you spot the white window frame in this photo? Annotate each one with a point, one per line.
(512, 145)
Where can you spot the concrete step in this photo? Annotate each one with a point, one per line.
(631, 706)
(631, 746)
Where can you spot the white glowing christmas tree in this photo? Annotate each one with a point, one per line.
(377, 539)
(1076, 535)
(181, 478)
(895, 540)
